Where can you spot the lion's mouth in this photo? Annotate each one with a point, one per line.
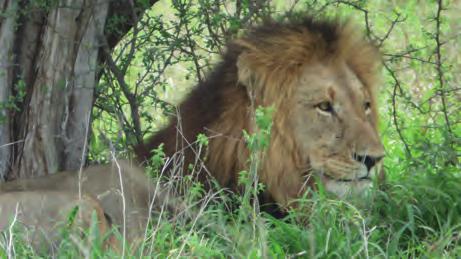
(344, 187)
(346, 180)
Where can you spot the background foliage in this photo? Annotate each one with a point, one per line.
(175, 45)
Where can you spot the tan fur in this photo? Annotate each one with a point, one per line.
(40, 215)
(129, 206)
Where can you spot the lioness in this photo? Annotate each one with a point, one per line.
(42, 215)
(127, 196)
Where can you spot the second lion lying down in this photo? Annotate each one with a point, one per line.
(42, 216)
(121, 191)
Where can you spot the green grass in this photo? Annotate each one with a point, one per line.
(416, 213)
(415, 216)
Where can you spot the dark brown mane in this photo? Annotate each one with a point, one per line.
(199, 109)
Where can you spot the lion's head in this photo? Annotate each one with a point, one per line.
(320, 77)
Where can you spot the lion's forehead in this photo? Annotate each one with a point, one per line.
(320, 81)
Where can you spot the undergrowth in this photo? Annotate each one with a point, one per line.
(415, 214)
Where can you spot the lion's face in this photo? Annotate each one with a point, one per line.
(334, 124)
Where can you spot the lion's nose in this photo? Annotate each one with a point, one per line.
(368, 161)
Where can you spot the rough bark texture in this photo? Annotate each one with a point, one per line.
(55, 53)
(6, 48)
(48, 113)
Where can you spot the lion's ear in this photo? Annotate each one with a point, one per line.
(243, 69)
(247, 73)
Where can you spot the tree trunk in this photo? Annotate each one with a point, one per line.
(6, 45)
(49, 58)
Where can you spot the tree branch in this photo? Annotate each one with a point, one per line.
(438, 61)
(120, 76)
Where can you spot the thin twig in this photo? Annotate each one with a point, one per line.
(365, 13)
(10, 250)
(132, 101)
(388, 33)
(438, 61)
(82, 159)
(394, 109)
(122, 194)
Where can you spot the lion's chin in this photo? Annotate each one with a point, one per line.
(345, 189)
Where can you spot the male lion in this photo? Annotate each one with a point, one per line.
(320, 76)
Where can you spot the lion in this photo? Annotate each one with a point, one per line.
(126, 195)
(45, 214)
(321, 77)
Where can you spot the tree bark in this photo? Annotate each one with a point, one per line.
(6, 47)
(55, 54)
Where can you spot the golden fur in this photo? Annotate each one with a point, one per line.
(301, 68)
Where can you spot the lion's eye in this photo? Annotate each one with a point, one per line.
(367, 107)
(325, 107)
